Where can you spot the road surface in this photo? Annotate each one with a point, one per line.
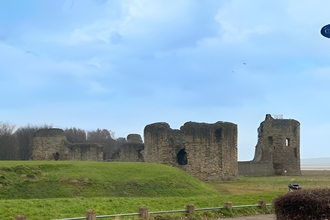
(254, 217)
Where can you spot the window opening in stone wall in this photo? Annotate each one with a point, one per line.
(270, 141)
(295, 152)
(287, 142)
(56, 156)
(182, 157)
(218, 134)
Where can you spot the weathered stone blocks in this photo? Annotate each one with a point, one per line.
(277, 151)
(206, 151)
(51, 144)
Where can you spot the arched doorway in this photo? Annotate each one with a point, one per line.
(182, 157)
(56, 156)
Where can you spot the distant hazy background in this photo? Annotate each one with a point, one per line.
(315, 164)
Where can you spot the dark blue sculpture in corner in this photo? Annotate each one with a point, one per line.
(325, 31)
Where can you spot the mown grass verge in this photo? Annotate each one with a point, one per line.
(63, 189)
(42, 209)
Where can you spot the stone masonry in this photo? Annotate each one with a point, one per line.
(51, 144)
(130, 151)
(277, 151)
(206, 151)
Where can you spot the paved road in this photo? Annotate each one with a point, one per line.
(254, 217)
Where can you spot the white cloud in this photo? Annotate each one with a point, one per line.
(320, 73)
(104, 31)
(172, 61)
(97, 88)
(308, 13)
(239, 21)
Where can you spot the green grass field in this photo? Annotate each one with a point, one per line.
(62, 189)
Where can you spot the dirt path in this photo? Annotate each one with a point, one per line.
(254, 217)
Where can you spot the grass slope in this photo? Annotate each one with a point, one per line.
(69, 179)
(67, 189)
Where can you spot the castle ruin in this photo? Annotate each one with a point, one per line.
(130, 150)
(277, 151)
(51, 144)
(206, 151)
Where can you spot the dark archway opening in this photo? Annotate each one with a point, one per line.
(182, 157)
(140, 155)
(56, 156)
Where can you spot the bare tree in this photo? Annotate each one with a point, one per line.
(98, 136)
(75, 135)
(6, 128)
(8, 143)
(105, 139)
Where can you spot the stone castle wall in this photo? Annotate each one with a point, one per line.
(278, 145)
(249, 168)
(206, 151)
(84, 151)
(130, 150)
(51, 144)
(47, 143)
(129, 153)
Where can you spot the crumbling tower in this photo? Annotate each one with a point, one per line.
(279, 144)
(206, 151)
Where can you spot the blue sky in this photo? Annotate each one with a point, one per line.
(123, 64)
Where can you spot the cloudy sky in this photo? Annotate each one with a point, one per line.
(123, 64)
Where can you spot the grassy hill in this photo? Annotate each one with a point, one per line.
(59, 189)
(69, 179)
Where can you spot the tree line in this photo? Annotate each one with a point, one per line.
(18, 144)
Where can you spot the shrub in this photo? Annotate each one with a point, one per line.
(304, 204)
